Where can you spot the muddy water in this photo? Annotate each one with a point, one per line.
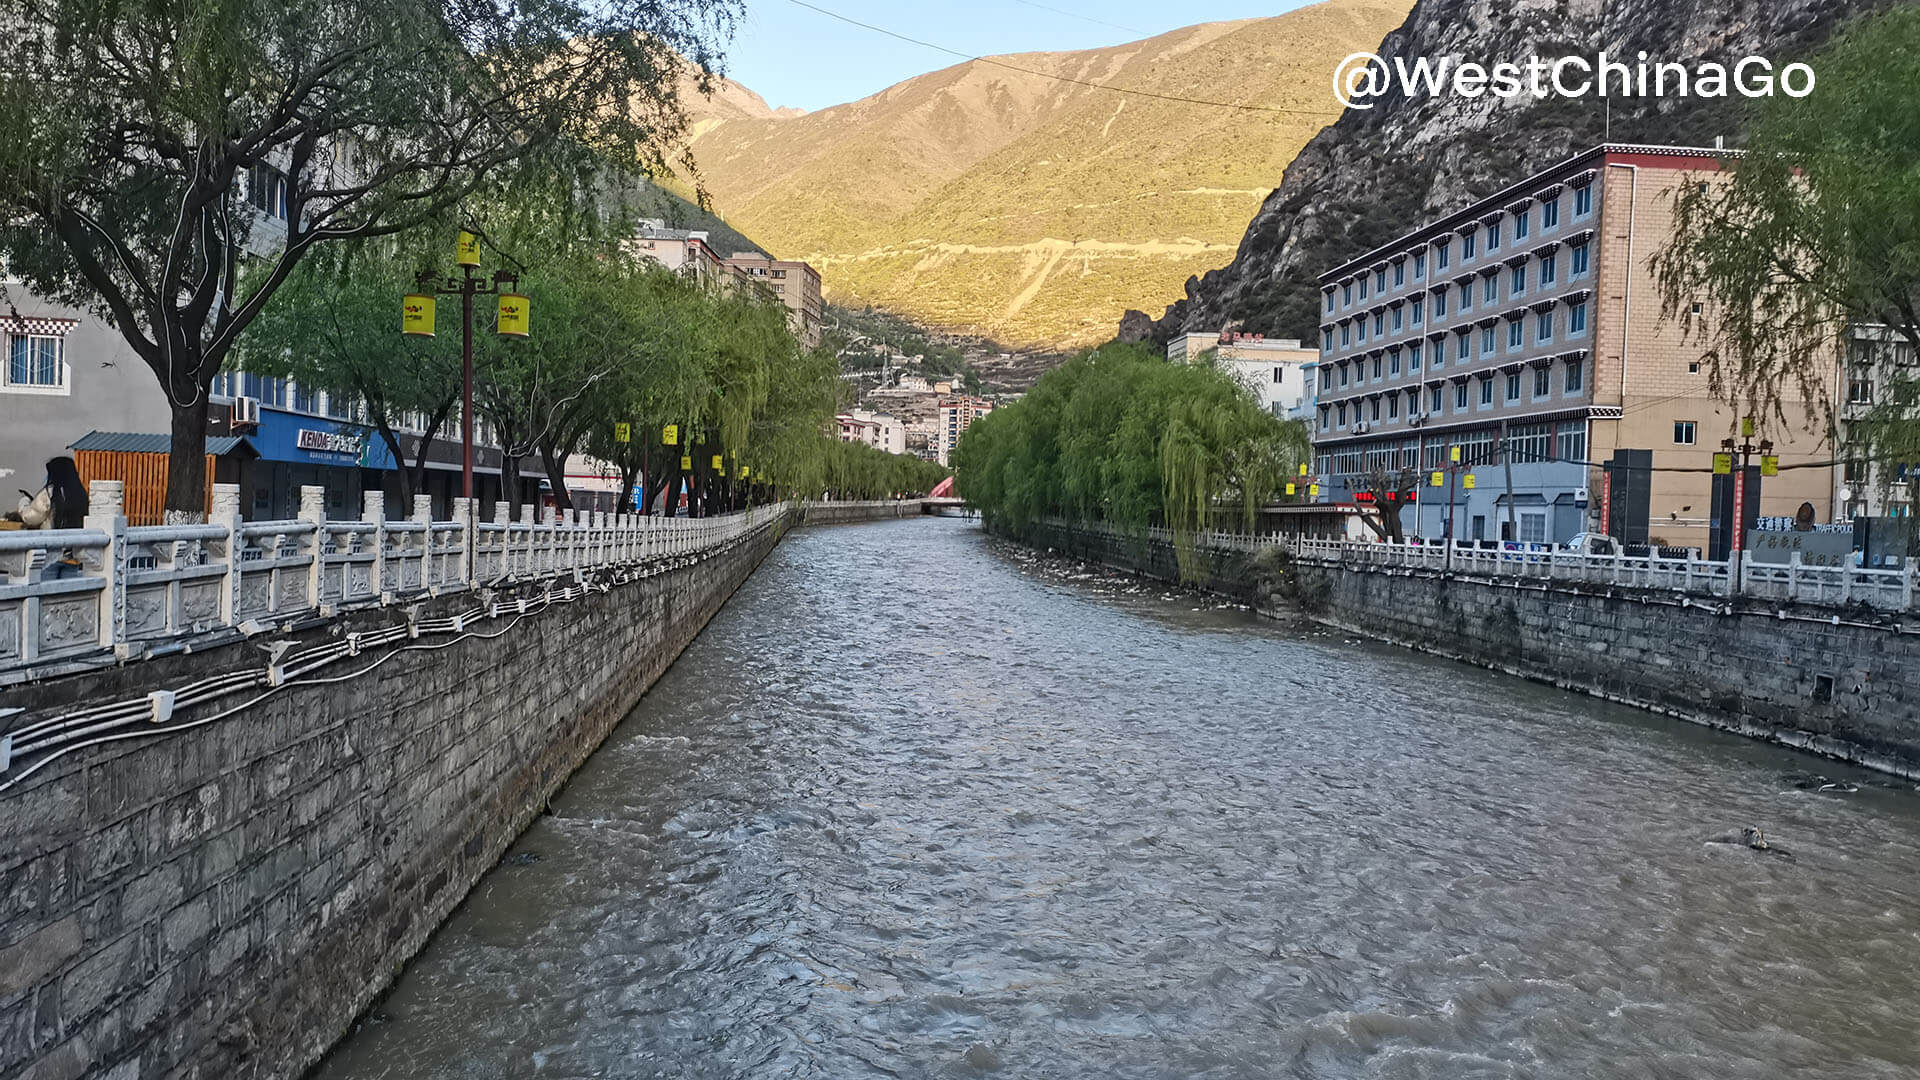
(916, 806)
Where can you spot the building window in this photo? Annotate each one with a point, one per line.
(1519, 280)
(1380, 280)
(1579, 258)
(1859, 391)
(1441, 256)
(1360, 335)
(1549, 269)
(267, 191)
(1493, 237)
(1577, 319)
(1533, 528)
(1486, 390)
(1583, 201)
(34, 362)
(1326, 378)
(1398, 314)
(1419, 265)
(1329, 301)
(1684, 432)
(1486, 341)
(1440, 303)
(1346, 294)
(1399, 274)
(1326, 340)
(1343, 414)
(1550, 214)
(1393, 362)
(1376, 408)
(1516, 334)
(1459, 396)
(1522, 223)
(1343, 374)
(1276, 374)
(1490, 289)
(1576, 376)
(1379, 323)
(1466, 349)
(1376, 367)
(1363, 286)
(1573, 441)
(1346, 334)
(1542, 382)
(1393, 406)
(1413, 357)
(1466, 246)
(1419, 309)
(1325, 418)
(1543, 331)
(1513, 386)
(1435, 397)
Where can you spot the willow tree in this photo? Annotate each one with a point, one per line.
(1817, 230)
(1120, 436)
(332, 326)
(169, 164)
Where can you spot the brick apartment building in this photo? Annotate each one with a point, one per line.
(1534, 312)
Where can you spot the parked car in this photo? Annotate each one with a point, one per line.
(1594, 544)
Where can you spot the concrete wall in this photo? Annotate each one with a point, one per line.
(108, 389)
(223, 901)
(841, 513)
(1840, 683)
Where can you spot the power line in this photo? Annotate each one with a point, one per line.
(1321, 114)
(1083, 18)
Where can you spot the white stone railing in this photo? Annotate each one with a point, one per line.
(1794, 581)
(109, 589)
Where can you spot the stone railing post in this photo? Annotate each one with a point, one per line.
(106, 513)
(226, 514)
(423, 516)
(463, 515)
(503, 517)
(313, 511)
(373, 509)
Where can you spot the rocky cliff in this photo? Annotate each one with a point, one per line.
(1377, 172)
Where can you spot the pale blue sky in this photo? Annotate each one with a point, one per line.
(790, 55)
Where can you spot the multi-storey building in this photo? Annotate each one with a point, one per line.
(1878, 359)
(1526, 332)
(882, 431)
(955, 415)
(1271, 370)
(793, 283)
(683, 251)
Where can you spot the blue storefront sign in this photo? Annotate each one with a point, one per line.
(313, 440)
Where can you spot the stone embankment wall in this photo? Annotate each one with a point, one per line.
(841, 513)
(223, 901)
(1843, 683)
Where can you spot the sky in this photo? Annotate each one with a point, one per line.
(792, 56)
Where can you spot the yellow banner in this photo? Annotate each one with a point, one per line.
(514, 314)
(670, 435)
(466, 249)
(1770, 465)
(1723, 464)
(623, 433)
(686, 462)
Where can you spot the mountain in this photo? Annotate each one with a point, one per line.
(1016, 205)
(1377, 172)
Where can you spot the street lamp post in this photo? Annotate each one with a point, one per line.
(418, 320)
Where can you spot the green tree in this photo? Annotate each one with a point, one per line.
(1119, 435)
(170, 164)
(332, 327)
(1818, 229)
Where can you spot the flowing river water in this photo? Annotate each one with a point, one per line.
(918, 804)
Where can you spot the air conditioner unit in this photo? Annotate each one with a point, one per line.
(246, 412)
(1580, 495)
(1415, 419)
(1360, 428)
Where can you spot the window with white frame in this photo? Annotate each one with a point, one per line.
(1685, 432)
(35, 362)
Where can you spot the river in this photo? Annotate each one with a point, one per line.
(917, 804)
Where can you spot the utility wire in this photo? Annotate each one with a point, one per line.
(1084, 18)
(1320, 114)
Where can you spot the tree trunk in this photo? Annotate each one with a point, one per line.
(510, 483)
(556, 476)
(392, 440)
(187, 463)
